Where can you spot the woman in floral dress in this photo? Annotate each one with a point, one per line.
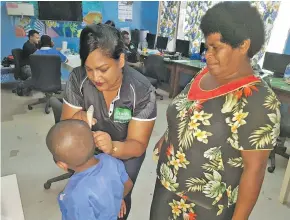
(221, 128)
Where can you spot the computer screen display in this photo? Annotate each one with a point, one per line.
(276, 62)
(162, 43)
(150, 38)
(182, 46)
(60, 10)
(202, 48)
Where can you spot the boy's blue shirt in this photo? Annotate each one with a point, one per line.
(51, 51)
(96, 193)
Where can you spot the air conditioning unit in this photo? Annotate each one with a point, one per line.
(19, 9)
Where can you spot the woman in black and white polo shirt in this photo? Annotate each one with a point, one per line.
(123, 99)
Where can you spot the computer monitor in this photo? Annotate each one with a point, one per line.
(202, 48)
(161, 43)
(150, 38)
(276, 63)
(182, 46)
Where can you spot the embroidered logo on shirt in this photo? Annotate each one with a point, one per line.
(122, 115)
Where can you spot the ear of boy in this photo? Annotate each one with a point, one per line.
(62, 165)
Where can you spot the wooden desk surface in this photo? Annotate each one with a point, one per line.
(279, 84)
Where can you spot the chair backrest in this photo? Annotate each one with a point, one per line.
(285, 111)
(285, 120)
(56, 105)
(135, 37)
(46, 72)
(155, 67)
(18, 56)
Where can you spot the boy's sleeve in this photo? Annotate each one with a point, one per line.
(122, 171)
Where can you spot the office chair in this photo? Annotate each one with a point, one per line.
(135, 37)
(18, 57)
(46, 77)
(56, 105)
(280, 149)
(155, 69)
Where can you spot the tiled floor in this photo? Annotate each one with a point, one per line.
(24, 153)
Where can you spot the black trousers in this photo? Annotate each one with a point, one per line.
(132, 166)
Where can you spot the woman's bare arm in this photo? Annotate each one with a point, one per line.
(139, 133)
(255, 162)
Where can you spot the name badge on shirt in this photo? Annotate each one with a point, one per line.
(122, 115)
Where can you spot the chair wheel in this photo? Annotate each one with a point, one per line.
(161, 98)
(271, 169)
(47, 185)
(30, 107)
(47, 111)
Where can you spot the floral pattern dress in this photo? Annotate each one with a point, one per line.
(200, 163)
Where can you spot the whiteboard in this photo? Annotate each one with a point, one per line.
(25, 9)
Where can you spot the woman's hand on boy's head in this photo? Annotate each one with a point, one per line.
(103, 141)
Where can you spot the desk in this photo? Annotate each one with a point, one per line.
(73, 62)
(10, 199)
(190, 67)
(281, 88)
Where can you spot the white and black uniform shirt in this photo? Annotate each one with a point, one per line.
(135, 101)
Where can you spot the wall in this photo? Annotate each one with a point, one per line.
(145, 15)
(287, 45)
(280, 31)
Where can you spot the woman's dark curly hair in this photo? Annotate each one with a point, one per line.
(100, 36)
(236, 22)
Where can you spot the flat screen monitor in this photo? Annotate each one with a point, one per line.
(202, 48)
(150, 38)
(60, 11)
(162, 43)
(182, 46)
(276, 62)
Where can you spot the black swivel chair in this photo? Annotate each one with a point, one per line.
(46, 77)
(155, 69)
(280, 148)
(18, 57)
(56, 105)
(135, 37)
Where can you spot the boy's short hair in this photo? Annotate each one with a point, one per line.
(45, 41)
(71, 141)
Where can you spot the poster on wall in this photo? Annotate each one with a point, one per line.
(92, 12)
(23, 24)
(125, 11)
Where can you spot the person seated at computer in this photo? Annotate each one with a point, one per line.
(131, 52)
(47, 48)
(29, 48)
(110, 23)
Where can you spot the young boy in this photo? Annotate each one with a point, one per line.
(96, 189)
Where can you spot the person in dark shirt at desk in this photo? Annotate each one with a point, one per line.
(29, 48)
(47, 48)
(131, 52)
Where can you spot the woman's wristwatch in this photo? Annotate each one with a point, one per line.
(114, 149)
